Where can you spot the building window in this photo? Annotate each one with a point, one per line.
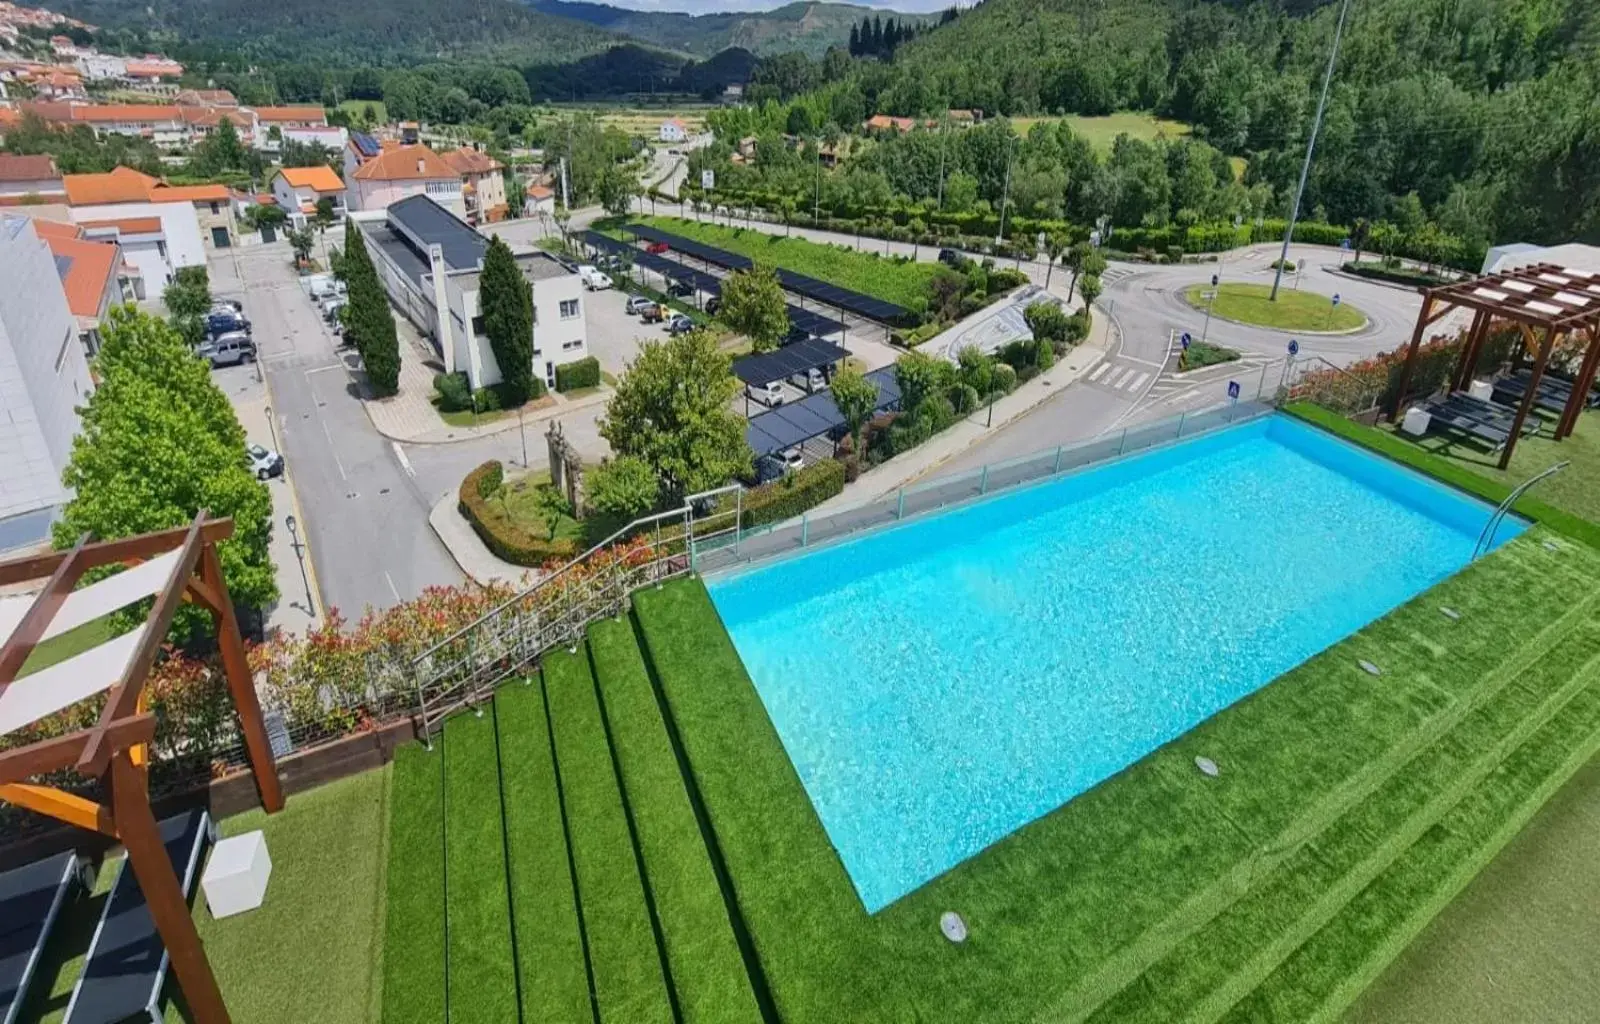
(477, 325)
(571, 346)
(569, 308)
(215, 208)
(61, 356)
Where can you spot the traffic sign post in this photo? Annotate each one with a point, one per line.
(1211, 300)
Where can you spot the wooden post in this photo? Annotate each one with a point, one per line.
(1582, 386)
(241, 685)
(1468, 361)
(163, 893)
(1411, 356)
(1528, 398)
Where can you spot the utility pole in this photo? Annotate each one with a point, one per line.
(816, 199)
(1311, 147)
(944, 144)
(1005, 196)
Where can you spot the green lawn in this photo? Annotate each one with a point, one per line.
(522, 502)
(902, 282)
(1071, 909)
(355, 109)
(1293, 311)
(1102, 132)
(414, 929)
(1201, 354)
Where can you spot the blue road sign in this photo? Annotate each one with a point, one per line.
(1233, 390)
(1185, 339)
(1335, 298)
(1294, 347)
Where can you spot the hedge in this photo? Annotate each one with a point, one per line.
(583, 373)
(1398, 274)
(506, 539)
(794, 494)
(1445, 471)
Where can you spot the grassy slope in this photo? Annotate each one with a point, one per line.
(902, 282)
(1101, 132)
(707, 969)
(1091, 914)
(413, 947)
(550, 960)
(483, 984)
(628, 984)
(1294, 311)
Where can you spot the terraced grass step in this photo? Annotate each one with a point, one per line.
(624, 957)
(413, 943)
(1320, 980)
(553, 975)
(708, 971)
(1202, 977)
(1436, 671)
(479, 951)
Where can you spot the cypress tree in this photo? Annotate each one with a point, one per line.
(369, 317)
(507, 303)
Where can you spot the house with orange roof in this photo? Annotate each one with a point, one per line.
(162, 124)
(30, 179)
(483, 184)
(304, 123)
(205, 98)
(538, 199)
(58, 83)
(153, 74)
(404, 171)
(297, 190)
(673, 130)
(93, 274)
(127, 195)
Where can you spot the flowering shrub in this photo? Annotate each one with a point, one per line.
(1373, 382)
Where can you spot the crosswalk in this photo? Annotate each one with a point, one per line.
(1125, 376)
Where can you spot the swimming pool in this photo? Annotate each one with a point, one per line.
(941, 684)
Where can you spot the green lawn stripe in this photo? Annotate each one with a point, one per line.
(1327, 973)
(550, 964)
(707, 968)
(414, 927)
(629, 986)
(483, 983)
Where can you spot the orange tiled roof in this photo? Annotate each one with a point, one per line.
(88, 274)
(189, 193)
(320, 178)
(127, 225)
(540, 192)
(123, 185)
(302, 113)
(127, 112)
(56, 229)
(405, 163)
(471, 161)
(27, 168)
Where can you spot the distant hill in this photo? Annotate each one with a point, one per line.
(355, 32)
(637, 69)
(802, 27)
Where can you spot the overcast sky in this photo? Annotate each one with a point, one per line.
(717, 6)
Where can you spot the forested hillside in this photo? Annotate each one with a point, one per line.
(1488, 110)
(352, 32)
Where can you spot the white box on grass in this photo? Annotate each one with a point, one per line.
(1416, 422)
(236, 876)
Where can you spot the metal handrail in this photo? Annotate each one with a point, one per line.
(1490, 528)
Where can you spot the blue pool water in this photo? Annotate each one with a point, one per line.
(943, 683)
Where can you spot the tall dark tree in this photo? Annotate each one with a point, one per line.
(508, 321)
(369, 318)
(877, 35)
(855, 40)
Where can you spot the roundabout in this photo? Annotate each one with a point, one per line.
(1299, 311)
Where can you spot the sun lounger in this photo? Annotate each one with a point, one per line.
(30, 899)
(127, 963)
(1443, 417)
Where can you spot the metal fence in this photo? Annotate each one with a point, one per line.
(941, 492)
(1314, 379)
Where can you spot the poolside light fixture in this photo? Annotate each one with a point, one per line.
(1451, 614)
(1207, 767)
(953, 927)
(1370, 669)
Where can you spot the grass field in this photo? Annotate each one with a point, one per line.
(642, 121)
(1101, 132)
(894, 280)
(414, 930)
(1293, 311)
(357, 108)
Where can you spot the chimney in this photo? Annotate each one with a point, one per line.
(421, 165)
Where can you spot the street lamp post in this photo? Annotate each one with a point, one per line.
(523, 431)
(1206, 332)
(300, 556)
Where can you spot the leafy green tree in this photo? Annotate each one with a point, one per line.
(220, 151)
(507, 304)
(624, 487)
(516, 195)
(159, 441)
(368, 317)
(673, 409)
(616, 190)
(1056, 243)
(919, 376)
(1090, 287)
(753, 304)
(302, 240)
(553, 506)
(856, 397)
(1047, 321)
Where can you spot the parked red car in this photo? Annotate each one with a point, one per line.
(657, 248)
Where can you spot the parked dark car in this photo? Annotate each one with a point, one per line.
(713, 304)
(679, 289)
(218, 324)
(951, 258)
(679, 324)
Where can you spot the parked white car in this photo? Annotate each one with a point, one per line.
(810, 381)
(264, 462)
(638, 304)
(593, 278)
(769, 394)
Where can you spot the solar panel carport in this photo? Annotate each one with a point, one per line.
(813, 416)
(833, 295)
(811, 354)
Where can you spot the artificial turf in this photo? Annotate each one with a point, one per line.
(1066, 912)
(708, 972)
(624, 957)
(550, 959)
(414, 927)
(479, 955)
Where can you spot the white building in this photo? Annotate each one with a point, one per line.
(100, 67)
(401, 172)
(297, 190)
(429, 260)
(674, 130)
(1574, 255)
(44, 377)
(158, 226)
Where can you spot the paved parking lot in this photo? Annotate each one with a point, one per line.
(614, 335)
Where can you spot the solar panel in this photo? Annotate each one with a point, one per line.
(813, 416)
(811, 354)
(844, 298)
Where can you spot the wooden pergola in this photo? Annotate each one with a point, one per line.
(1546, 303)
(171, 567)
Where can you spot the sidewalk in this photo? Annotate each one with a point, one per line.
(468, 549)
(410, 417)
(927, 457)
(291, 613)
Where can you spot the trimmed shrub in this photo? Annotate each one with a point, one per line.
(584, 373)
(794, 494)
(1005, 379)
(455, 394)
(486, 399)
(508, 540)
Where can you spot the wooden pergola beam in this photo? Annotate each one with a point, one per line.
(1581, 386)
(14, 652)
(241, 684)
(1526, 406)
(62, 806)
(62, 752)
(127, 549)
